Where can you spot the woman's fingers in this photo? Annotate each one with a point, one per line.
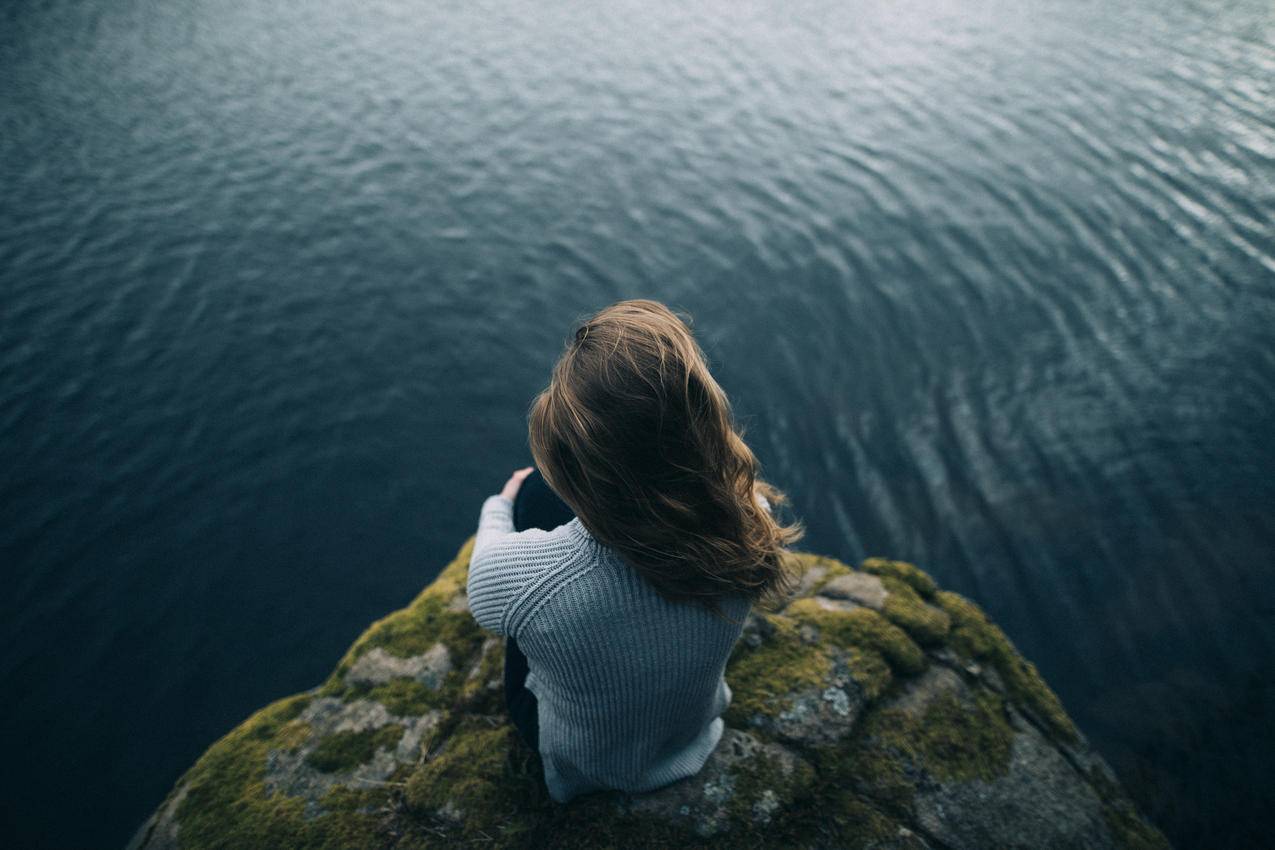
(515, 482)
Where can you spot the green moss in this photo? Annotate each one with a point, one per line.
(782, 665)
(950, 740)
(334, 687)
(472, 774)
(227, 805)
(957, 742)
(902, 570)
(875, 772)
(974, 635)
(477, 696)
(905, 608)
(408, 697)
(870, 670)
(865, 629)
(401, 696)
(860, 826)
(415, 629)
(591, 822)
(760, 774)
(291, 736)
(347, 750)
(353, 820)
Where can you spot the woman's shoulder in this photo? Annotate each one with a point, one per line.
(563, 537)
(530, 555)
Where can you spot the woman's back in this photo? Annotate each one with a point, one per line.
(630, 686)
(621, 621)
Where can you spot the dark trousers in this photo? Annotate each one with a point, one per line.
(536, 506)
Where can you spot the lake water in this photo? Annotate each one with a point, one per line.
(991, 285)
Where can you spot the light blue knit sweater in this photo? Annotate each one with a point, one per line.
(629, 686)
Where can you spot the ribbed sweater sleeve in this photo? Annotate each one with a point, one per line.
(494, 521)
(511, 571)
(491, 589)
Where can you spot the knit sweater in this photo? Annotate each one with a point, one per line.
(629, 686)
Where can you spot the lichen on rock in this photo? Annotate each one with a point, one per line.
(871, 710)
(745, 781)
(378, 667)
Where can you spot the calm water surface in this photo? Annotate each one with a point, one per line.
(992, 286)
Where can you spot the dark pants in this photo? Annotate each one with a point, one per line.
(536, 506)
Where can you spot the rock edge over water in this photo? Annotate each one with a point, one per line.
(873, 711)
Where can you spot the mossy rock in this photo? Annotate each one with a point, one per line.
(872, 710)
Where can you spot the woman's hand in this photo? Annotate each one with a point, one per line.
(512, 486)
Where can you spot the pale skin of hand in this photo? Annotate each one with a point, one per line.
(512, 486)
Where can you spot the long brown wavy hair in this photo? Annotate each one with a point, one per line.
(638, 439)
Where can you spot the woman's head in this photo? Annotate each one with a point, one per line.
(639, 440)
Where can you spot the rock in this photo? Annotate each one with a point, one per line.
(998, 782)
(378, 667)
(836, 604)
(872, 710)
(818, 715)
(811, 572)
(743, 775)
(1037, 803)
(355, 744)
(863, 588)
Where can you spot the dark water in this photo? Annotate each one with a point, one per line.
(992, 286)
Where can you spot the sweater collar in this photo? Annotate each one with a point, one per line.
(579, 534)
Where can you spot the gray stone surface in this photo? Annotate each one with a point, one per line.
(702, 802)
(1040, 802)
(820, 716)
(377, 667)
(863, 588)
(288, 771)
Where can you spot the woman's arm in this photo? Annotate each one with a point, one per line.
(495, 520)
(492, 585)
(497, 516)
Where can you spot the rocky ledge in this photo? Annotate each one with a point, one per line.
(873, 711)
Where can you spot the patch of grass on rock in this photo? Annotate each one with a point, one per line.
(976, 636)
(347, 750)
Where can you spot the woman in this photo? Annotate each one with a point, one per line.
(621, 575)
